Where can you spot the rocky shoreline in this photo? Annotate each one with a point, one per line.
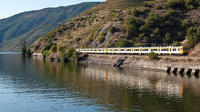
(140, 61)
(136, 61)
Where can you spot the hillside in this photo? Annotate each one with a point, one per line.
(127, 23)
(31, 25)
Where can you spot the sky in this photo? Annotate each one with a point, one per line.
(12, 7)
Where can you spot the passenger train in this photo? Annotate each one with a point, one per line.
(169, 50)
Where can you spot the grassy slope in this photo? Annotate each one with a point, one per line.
(33, 24)
(117, 23)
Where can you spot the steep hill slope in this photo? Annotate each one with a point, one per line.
(33, 24)
(125, 23)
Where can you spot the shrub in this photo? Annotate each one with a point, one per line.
(70, 55)
(44, 53)
(175, 43)
(143, 28)
(185, 23)
(153, 20)
(157, 31)
(131, 26)
(142, 35)
(193, 34)
(28, 52)
(176, 4)
(60, 48)
(112, 29)
(190, 4)
(54, 48)
(101, 38)
(123, 43)
(136, 12)
(167, 38)
(23, 49)
(153, 56)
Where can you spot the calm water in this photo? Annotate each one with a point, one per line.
(34, 86)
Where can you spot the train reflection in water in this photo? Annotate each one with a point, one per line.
(161, 83)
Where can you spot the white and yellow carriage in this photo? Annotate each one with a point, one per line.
(169, 50)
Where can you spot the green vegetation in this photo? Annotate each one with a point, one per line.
(70, 55)
(102, 37)
(183, 4)
(127, 23)
(153, 56)
(175, 43)
(54, 48)
(123, 43)
(193, 34)
(24, 50)
(113, 29)
(132, 28)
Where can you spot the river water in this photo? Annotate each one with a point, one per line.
(31, 85)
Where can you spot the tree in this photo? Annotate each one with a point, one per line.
(193, 34)
(132, 25)
(24, 49)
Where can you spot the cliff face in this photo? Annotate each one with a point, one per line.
(31, 25)
(125, 23)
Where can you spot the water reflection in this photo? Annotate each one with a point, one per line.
(34, 85)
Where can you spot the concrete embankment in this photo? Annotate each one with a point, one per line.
(175, 64)
(136, 61)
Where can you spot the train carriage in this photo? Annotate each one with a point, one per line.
(170, 50)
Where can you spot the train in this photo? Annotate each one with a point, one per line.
(168, 50)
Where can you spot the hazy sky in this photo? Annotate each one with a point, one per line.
(11, 7)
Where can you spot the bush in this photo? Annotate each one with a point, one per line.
(112, 29)
(153, 20)
(176, 4)
(54, 48)
(131, 26)
(153, 56)
(157, 31)
(190, 4)
(142, 12)
(175, 43)
(60, 48)
(23, 49)
(28, 52)
(193, 34)
(167, 38)
(101, 38)
(44, 53)
(123, 43)
(143, 28)
(185, 23)
(70, 55)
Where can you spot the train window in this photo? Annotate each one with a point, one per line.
(164, 49)
(128, 49)
(110, 50)
(136, 50)
(144, 49)
(178, 49)
(174, 49)
(122, 50)
(115, 50)
(99, 50)
(154, 49)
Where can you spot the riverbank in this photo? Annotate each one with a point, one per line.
(143, 62)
